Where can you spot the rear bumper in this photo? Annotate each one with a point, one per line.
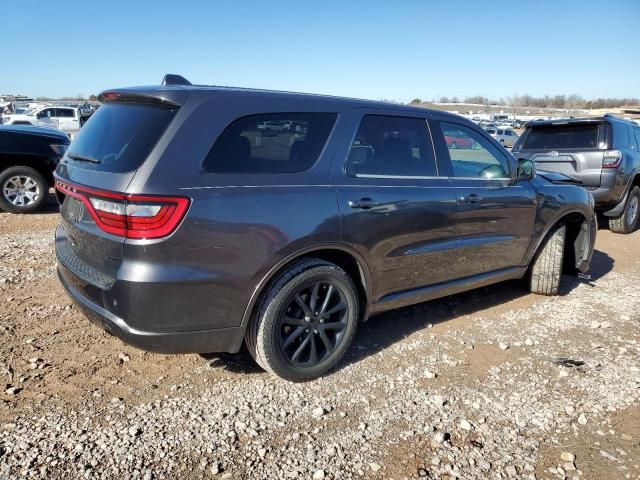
(199, 341)
(85, 295)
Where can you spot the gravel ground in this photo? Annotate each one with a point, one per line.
(491, 384)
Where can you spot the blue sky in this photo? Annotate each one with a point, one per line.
(395, 50)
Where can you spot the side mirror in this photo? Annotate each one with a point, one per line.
(526, 169)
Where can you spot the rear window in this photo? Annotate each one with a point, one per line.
(562, 136)
(270, 143)
(119, 137)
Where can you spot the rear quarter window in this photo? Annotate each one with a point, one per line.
(270, 143)
(119, 137)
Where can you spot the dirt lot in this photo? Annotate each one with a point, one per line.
(494, 383)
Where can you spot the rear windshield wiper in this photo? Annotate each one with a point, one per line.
(82, 158)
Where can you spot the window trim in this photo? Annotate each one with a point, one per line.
(345, 164)
(236, 118)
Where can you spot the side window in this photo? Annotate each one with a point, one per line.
(64, 112)
(392, 146)
(478, 158)
(270, 143)
(47, 112)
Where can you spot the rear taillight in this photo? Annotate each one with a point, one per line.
(611, 159)
(129, 215)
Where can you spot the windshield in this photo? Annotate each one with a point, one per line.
(119, 137)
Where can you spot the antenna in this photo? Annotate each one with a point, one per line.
(173, 79)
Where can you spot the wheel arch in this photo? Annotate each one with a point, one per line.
(38, 163)
(343, 256)
(578, 242)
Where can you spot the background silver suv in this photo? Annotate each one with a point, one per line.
(603, 153)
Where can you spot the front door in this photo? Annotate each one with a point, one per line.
(495, 214)
(395, 208)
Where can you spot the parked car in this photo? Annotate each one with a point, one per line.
(276, 127)
(505, 136)
(459, 140)
(28, 157)
(67, 119)
(196, 239)
(603, 153)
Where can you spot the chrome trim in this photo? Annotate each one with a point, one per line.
(220, 187)
(402, 177)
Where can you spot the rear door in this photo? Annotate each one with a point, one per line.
(395, 208)
(494, 214)
(104, 157)
(574, 149)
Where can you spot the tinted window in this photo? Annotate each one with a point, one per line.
(64, 112)
(562, 136)
(47, 112)
(392, 146)
(270, 143)
(119, 136)
(478, 159)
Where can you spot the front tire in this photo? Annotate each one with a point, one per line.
(546, 269)
(628, 220)
(22, 190)
(305, 321)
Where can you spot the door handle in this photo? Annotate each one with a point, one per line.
(363, 203)
(471, 198)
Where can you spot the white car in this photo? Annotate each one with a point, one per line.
(66, 119)
(505, 136)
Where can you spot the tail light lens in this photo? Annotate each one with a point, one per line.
(129, 215)
(611, 159)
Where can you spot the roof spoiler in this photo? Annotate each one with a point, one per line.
(173, 79)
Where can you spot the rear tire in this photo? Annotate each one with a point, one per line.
(628, 220)
(22, 190)
(546, 269)
(301, 343)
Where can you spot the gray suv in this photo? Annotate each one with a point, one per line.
(187, 226)
(603, 153)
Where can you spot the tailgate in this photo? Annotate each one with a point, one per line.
(575, 149)
(584, 166)
(103, 159)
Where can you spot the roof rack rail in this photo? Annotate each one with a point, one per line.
(173, 79)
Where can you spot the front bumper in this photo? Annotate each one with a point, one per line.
(197, 341)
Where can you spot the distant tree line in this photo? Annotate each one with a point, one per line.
(77, 98)
(548, 101)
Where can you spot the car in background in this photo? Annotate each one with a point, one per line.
(603, 153)
(287, 245)
(67, 119)
(28, 157)
(458, 140)
(505, 136)
(274, 127)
